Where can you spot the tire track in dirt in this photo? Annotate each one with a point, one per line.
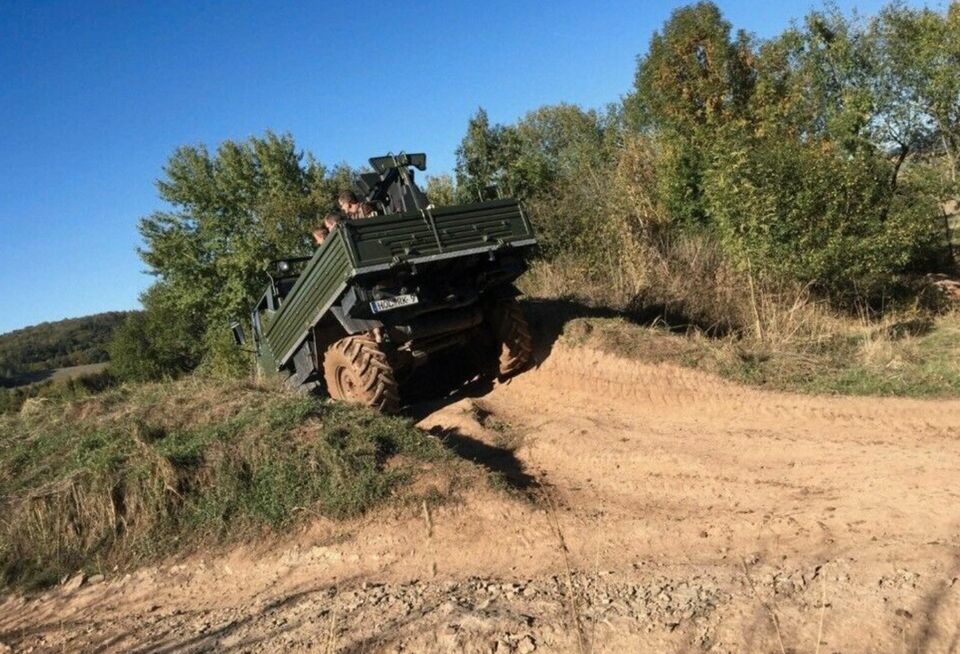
(664, 389)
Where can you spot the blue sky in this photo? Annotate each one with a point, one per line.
(95, 96)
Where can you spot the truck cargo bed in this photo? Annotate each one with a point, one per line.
(367, 246)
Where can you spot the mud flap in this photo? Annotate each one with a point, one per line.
(303, 365)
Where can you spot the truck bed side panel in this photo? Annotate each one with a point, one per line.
(318, 287)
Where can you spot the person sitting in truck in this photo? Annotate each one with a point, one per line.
(331, 220)
(353, 208)
(320, 234)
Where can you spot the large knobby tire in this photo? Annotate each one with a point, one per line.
(357, 370)
(512, 335)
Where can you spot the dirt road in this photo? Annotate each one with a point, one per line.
(649, 508)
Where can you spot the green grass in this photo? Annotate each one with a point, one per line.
(74, 372)
(139, 472)
(863, 360)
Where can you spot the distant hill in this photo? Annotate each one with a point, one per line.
(51, 345)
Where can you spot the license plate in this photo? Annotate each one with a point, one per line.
(378, 306)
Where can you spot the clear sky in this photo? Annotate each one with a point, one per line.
(95, 96)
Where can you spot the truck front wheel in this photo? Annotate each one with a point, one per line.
(357, 370)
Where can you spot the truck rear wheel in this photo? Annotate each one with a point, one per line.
(357, 370)
(512, 334)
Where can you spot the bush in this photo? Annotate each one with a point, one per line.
(161, 341)
(820, 216)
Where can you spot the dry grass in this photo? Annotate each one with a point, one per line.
(683, 302)
(146, 470)
(855, 360)
(686, 283)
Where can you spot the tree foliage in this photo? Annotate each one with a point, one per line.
(160, 341)
(694, 75)
(921, 59)
(821, 218)
(441, 189)
(51, 345)
(231, 213)
(557, 159)
(812, 183)
(694, 80)
(810, 155)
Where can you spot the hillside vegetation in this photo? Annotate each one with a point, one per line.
(52, 345)
(773, 208)
(141, 471)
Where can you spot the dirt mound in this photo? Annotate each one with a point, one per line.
(647, 508)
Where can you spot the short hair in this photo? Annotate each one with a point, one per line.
(347, 196)
(333, 218)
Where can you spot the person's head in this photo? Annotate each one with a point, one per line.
(320, 233)
(330, 221)
(348, 202)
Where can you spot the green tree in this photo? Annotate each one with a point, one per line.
(820, 216)
(441, 190)
(694, 81)
(813, 185)
(694, 75)
(480, 157)
(558, 160)
(160, 341)
(231, 213)
(921, 50)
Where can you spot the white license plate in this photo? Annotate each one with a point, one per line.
(378, 306)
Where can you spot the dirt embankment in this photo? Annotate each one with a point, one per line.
(649, 509)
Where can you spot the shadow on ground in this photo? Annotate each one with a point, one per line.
(453, 375)
(502, 462)
(196, 630)
(456, 375)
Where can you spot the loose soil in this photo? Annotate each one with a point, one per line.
(636, 507)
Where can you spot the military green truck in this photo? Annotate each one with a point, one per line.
(381, 295)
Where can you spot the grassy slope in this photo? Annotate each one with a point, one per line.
(62, 384)
(141, 471)
(74, 372)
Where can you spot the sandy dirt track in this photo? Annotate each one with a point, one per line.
(651, 508)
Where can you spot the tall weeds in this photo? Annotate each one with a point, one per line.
(141, 471)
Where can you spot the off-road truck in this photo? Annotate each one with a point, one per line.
(381, 295)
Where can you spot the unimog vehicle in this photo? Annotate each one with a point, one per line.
(381, 295)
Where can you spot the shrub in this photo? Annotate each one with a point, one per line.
(161, 341)
(819, 216)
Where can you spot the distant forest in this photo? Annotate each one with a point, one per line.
(50, 345)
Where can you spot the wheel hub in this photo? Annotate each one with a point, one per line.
(347, 384)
